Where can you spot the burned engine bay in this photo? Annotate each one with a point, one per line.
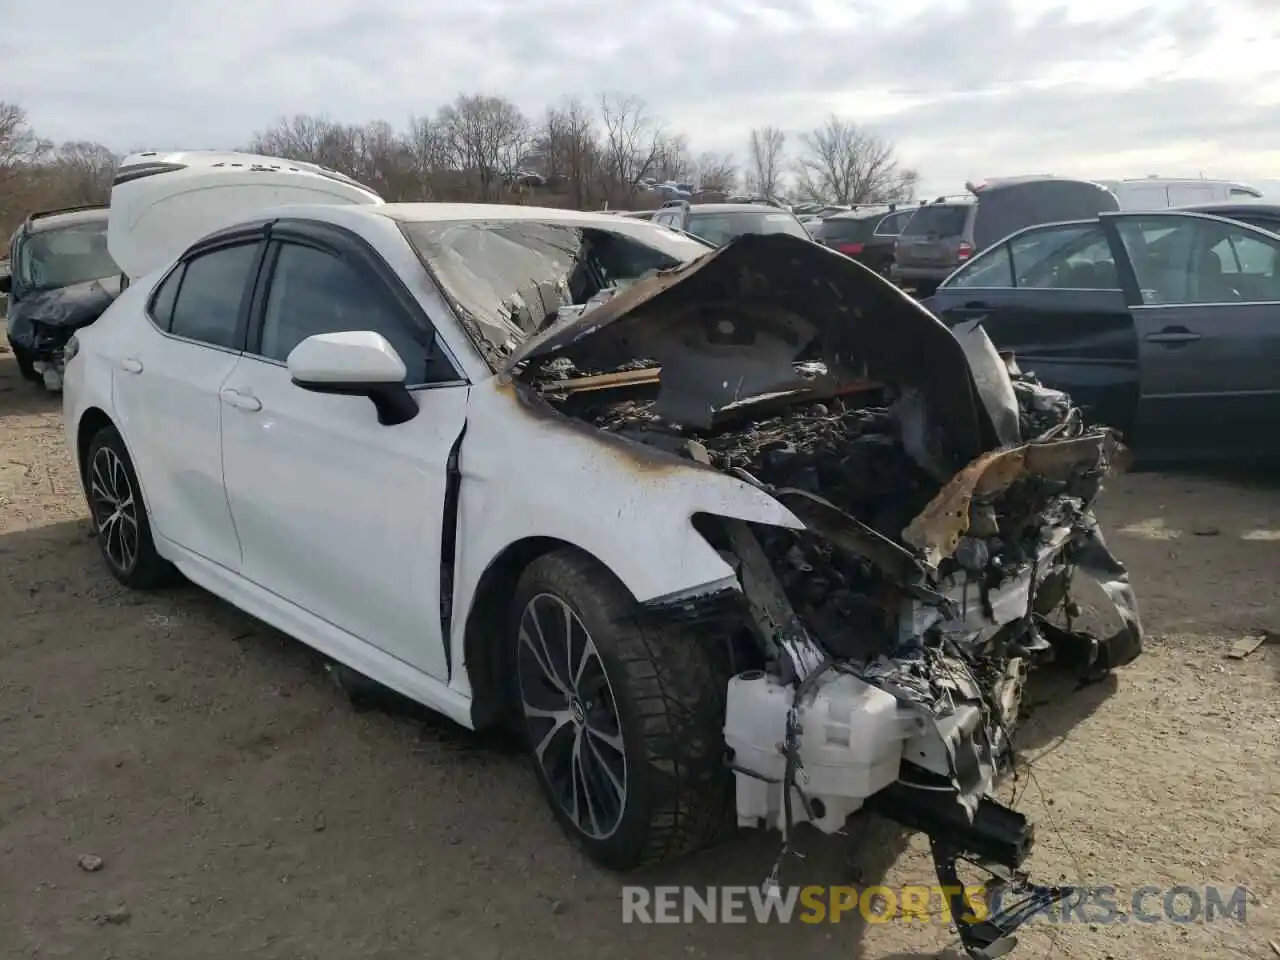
(946, 500)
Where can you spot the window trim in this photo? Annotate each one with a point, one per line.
(221, 241)
(347, 247)
(1037, 228)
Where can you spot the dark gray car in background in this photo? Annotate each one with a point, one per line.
(1163, 323)
(947, 233)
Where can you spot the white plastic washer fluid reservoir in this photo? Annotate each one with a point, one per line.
(851, 737)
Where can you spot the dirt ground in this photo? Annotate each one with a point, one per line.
(241, 806)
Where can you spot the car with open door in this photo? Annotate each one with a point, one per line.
(1163, 323)
(720, 554)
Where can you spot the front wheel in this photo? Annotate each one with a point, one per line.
(119, 515)
(26, 366)
(623, 721)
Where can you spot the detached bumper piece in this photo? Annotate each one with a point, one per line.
(997, 836)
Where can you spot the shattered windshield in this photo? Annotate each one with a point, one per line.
(64, 256)
(512, 279)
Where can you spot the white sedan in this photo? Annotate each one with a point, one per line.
(686, 519)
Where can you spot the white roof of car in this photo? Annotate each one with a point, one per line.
(425, 212)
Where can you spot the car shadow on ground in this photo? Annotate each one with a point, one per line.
(20, 396)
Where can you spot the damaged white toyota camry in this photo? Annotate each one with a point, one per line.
(739, 527)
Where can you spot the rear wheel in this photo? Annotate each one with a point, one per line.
(623, 721)
(119, 515)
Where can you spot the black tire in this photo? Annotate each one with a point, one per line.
(26, 366)
(667, 685)
(119, 515)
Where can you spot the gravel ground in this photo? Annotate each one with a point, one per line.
(240, 805)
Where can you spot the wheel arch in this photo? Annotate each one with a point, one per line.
(92, 420)
(483, 654)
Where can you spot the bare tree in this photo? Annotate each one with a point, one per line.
(674, 160)
(21, 153)
(487, 138)
(717, 171)
(84, 171)
(632, 141)
(473, 150)
(570, 150)
(843, 163)
(766, 160)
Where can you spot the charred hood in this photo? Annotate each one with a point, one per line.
(733, 324)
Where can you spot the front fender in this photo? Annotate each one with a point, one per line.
(528, 472)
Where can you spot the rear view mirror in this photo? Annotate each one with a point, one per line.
(355, 363)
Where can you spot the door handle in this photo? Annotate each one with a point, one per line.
(1172, 335)
(131, 365)
(241, 401)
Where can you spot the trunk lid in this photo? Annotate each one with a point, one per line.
(163, 203)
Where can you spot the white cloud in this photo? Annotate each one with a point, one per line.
(967, 89)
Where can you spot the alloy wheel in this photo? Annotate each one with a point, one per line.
(115, 509)
(572, 716)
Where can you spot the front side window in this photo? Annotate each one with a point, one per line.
(1076, 258)
(314, 292)
(207, 308)
(62, 256)
(992, 270)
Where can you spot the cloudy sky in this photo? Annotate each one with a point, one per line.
(966, 88)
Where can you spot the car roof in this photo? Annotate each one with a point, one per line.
(865, 213)
(1233, 208)
(734, 208)
(43, 220)
(428, 212)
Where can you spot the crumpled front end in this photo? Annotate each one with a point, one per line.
(947, 507)
(41, 323)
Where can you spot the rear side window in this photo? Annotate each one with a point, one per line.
(892, 225)
(208, 303)
(938, 220)
(164, 299)
(844, 231)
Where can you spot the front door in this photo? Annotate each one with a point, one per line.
(338, 514)
(1205, 297)
(1051, 295)
(167, 386)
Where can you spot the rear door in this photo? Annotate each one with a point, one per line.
(1205, 297)
(1052, 296)
(933, 236)
(167, 383)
